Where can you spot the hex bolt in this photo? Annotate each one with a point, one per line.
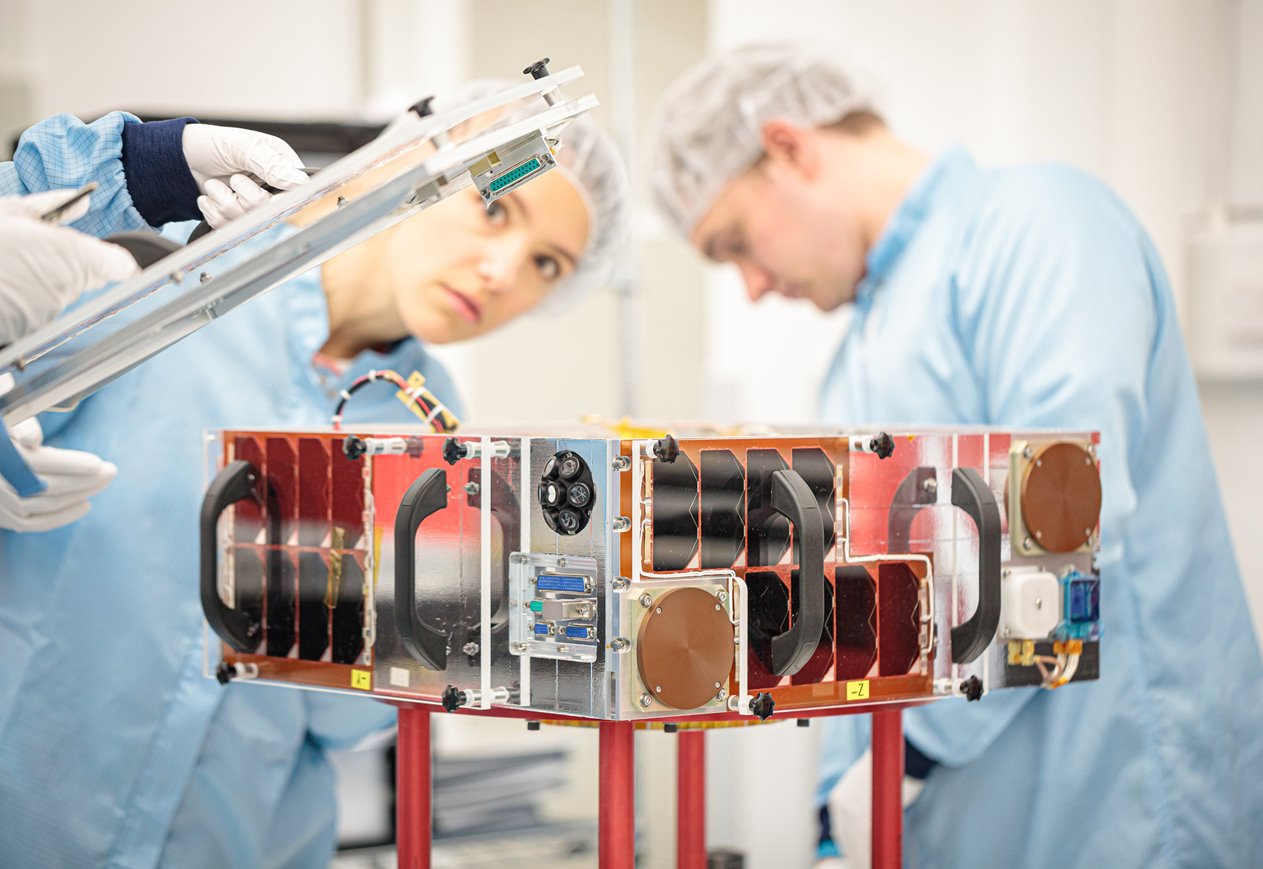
(645, 700)
(620, 583)
(619, 644)
(721, 695)
(930, 487)
(470, 649)
(621, 463)
(561, 562)
(646, 600)
(472, 488)
(620, 524)
(721, 595)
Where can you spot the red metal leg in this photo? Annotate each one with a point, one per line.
(690, 836)
(617, 827)
(412, 786)
(887, 789)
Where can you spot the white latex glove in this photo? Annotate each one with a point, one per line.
(71, 478)
(851, 813)
(221, 157)
(44, 267)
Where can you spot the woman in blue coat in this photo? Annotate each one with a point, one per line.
(115, 750)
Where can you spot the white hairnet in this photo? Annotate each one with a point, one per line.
(588, 157)
(707, 130)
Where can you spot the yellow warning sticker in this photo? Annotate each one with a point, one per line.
(363, 680)
(857, 690)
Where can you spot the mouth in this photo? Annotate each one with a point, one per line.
(467, 308)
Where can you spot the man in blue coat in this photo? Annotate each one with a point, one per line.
(1025, 298)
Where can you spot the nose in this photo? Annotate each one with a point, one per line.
(758, 281)
(499, 265)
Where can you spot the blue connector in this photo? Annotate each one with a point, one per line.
(559, 582)
(1081, 614)
(541, 628)
(579, 632)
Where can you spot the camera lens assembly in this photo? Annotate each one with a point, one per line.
(567, 493)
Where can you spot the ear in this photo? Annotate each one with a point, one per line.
(791, 147)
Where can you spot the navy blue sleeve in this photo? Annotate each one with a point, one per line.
(158, 177)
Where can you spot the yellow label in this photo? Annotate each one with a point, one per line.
(857, 690)
(363, 680)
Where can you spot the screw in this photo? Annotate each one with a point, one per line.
(718, 685)
(883, 445)
(561, 562)
(646, 701)
(619, 644)
(1027, 453)
(470, 649)
(645, 600)
(722, 595)
(620, 524)
(1027, 544)
(658, 610)
(563, 648)
(621, 463)
(341, 201)
(718, 608)
(1039, 535)
(204, 277)
(657, 689)
(620, 583)
(472, 488)
(519, 647)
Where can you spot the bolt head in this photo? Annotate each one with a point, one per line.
(646, 600)
(646, 700)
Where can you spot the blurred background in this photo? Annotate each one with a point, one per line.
(1163, 99)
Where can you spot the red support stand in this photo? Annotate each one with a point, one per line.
(617, 826)
(888, 788)
(690, 837)
(413, 787)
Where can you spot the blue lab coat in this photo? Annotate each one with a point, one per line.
(1031, 298)
(115, 749)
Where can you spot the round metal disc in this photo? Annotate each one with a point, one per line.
(1061, 497)
(685, 648)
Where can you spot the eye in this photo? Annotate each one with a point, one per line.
(497, 214)
(549, 268)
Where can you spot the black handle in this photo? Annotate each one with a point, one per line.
(793, 499)
(425, 497)
(236, 482)
(972, 494)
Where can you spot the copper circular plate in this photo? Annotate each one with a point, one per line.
(1061, 497)
(684, 647)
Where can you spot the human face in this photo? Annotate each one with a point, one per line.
(787, 234)
(461, 269)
